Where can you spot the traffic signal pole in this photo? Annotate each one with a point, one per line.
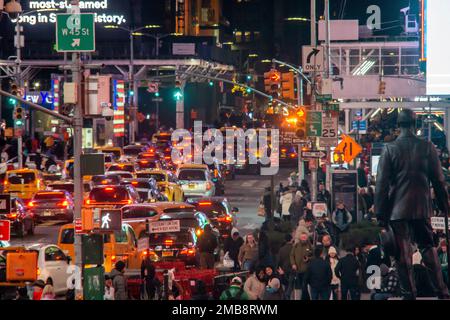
(18, 72)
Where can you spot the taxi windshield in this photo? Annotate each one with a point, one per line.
(21, 177)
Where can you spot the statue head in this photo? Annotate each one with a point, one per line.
(406, 119)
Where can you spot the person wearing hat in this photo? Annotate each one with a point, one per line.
(273, 290)
(119, 281)
(403, 208)
(232, 245)
(235, 291)
(333, 260)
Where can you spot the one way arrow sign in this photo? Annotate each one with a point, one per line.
(313, 154)
(313, 59)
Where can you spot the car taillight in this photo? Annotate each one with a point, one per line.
(134, 183)
(89, 201)
(113, 259)
(189, 252)
(12, 216)
(204, 203)
(64, 203)
(167, 157)
(198, 232)
(5, 183)
(104, 182)
(168, 242)
(31, 204)
(129, 201)
(292, 155)
(109, 189)
(144, 162)
(225, 219)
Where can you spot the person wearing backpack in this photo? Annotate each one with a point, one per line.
(235, 291)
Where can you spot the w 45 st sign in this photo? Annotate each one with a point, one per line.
(75, 32)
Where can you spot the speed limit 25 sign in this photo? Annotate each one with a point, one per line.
(329, 136)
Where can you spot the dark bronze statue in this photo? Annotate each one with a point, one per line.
(406, 169)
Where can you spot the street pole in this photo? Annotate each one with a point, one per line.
(301, 170)
(157, 104)
(131, 88)
(313, 95)
(329, 74)
(77, 149)
(18, 70)
(157, 46)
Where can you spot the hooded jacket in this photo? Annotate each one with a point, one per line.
(254, 288)
(119, 284)
(298, 254)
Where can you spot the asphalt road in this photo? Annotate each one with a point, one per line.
(244, 192)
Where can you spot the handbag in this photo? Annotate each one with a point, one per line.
(227, 261)
(261, 211)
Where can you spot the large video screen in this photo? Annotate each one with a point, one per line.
(437, 47)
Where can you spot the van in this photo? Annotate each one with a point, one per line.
(118, 245)
(23, 183)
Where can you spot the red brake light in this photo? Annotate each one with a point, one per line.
(143, 161)
(167, 157)
(65, 203)
(104, 181)
(205, 203)
(129, 201)
(134, 183)
(31, 204)
(168, 242)
(12, 216)
(109, 189)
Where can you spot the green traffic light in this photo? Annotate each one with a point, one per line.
(19, 123)
(12, 101)
(157, 94)
(249, 90)
(211, 84)
(131, 93)
(249, 77)
(178, 95)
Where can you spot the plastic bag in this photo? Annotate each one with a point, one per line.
(227, 261)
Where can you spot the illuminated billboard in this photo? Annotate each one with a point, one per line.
(437, 46)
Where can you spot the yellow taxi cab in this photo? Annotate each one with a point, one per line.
(23, 183)
(118, 245)
(167, 183)
(139, 215)
(117, 152)
(67, 172)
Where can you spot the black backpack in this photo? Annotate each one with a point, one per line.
(236, 297)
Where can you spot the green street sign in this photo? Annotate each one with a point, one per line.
(322, 98)
(314, 124)
(75, 32)
(330, 107)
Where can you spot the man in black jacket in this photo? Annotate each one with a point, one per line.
(207, 244)
(403, 200)
(319, 276)
(347, 271)
(148, 273)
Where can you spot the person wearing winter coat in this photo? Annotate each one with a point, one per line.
(333, 260)
(285, 267)
(232, 245)
(319, 276)
(255, 286)
(119, 281)
(286, 201)
(207, 244)
(296, 209)
(347, 270)
(248, 253)
(300, 255)
(341, 219)
(109, 289)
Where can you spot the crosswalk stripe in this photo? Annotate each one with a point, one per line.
(249, 183)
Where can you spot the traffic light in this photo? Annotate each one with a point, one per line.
(19, 116)
(382, 87)
(272, 81)
(15, 89)
(301, 123)
(178, 93)
(288, 86)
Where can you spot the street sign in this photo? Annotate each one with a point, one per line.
(323, 98)
(314, 154)
(438, 223)
(153, 87)
(362, 126)
(75, 32)
(79, 226)
(329, 136)
(111, 220)
(5, 230)
(319, 209)
(164, 226)
(314, 124)
(313, 59)
(330, 107)
(5, 203)
(349, 148)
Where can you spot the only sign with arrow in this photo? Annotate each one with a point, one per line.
(313, 59)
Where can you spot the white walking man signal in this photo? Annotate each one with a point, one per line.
(105, 221)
